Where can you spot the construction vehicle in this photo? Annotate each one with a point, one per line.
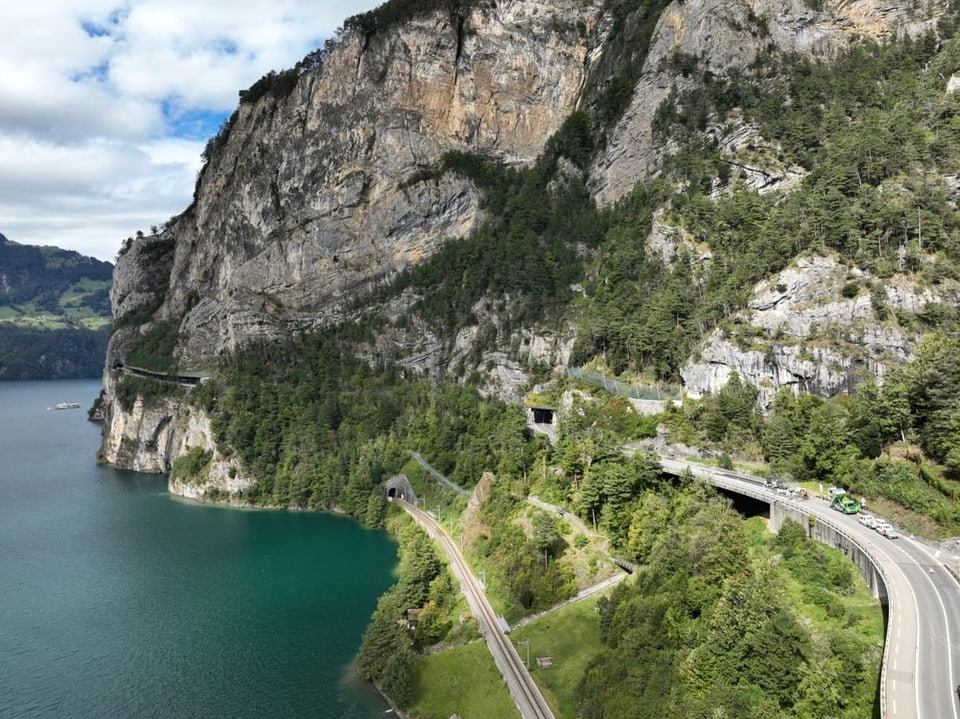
(843, 502)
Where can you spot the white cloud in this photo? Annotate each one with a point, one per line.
(105, 105)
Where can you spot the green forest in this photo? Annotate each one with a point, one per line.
(720, 618)
(320, 429)
(54, 312)
(28, 353)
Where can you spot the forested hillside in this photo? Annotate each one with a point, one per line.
(875, 135)
(721, 620)
(54, 312)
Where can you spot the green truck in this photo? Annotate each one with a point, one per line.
(843, 502)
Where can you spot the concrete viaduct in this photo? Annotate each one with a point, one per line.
(917, 584)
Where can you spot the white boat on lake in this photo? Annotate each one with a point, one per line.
(65, 405)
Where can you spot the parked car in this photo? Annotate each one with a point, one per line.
(868, 520)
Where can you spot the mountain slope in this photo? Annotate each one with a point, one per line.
(433, 178)
(54, 312)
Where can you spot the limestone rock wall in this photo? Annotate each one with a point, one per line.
(314, 199)
(310, 200)
(151, 436)
(801, 331)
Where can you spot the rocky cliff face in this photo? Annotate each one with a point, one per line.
(816, 327)
(725, 36)
(806, 337)
(149, 437)
(312, 198)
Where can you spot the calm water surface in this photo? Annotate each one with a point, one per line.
(118, 600)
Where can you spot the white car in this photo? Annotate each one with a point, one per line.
(868, 520)
(889, 532)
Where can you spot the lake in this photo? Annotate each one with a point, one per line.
(119, 600)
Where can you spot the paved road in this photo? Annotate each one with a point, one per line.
(526, 694)
(189, 380)
(921, 659)
(922, 651)
(939, 612)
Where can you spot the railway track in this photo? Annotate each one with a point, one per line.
(526, 694)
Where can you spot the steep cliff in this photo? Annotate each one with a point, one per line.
(149, 436)
(319, 189)
(725, 37)
(312, 198)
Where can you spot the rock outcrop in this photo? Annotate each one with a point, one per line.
(310, 199)
(816, 327)
(149, 437)
(313, 198)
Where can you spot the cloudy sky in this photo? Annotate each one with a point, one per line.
(106, 105)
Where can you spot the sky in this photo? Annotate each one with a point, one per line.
(106, 105)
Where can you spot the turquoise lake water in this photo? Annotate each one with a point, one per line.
(118, 600)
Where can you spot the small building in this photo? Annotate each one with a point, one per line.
(544, 662)
(410, 619)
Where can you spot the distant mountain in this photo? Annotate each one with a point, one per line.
(54, 312)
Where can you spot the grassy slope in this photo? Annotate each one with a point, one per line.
(464, 680)
(52, 288)
(54, 312)
(461, 681)
(570, 636)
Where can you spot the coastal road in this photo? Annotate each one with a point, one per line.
(922, 649)
(526, 694)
